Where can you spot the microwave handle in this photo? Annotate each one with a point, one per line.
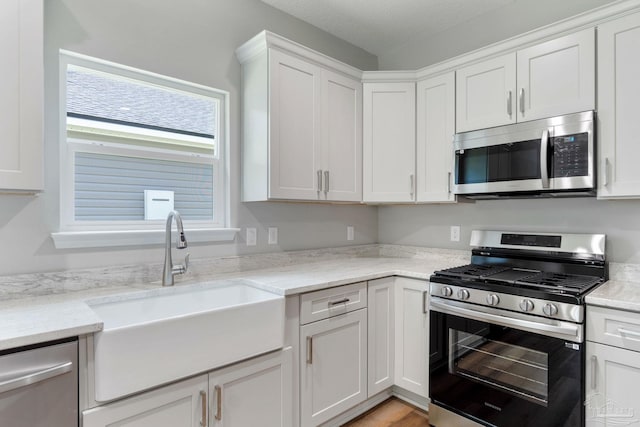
(544, 167)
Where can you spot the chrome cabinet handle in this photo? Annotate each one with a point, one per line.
(412, 184)
(522, 100)
(319, 180)
(449, 182)
(326, 182)
(36, 377)
(606, 172)
(544, 169)
(218, 391)
(623, 331)
(594, 372)
(203, 402)
(342, 301)
(309, 350)
(424, 301)
(509, 102)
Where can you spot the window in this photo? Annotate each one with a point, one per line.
(126, 133)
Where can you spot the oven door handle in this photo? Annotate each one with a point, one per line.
(566, 331)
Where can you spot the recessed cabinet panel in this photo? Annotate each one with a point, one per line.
(22, 100)
(557, 77)
(333, 373)
(618, 109)
(485, 94)
(381, 341)
(434, 146)
(342, 138)
(295, 115)
(389, 142)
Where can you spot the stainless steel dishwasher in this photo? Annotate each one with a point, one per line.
(39, 386)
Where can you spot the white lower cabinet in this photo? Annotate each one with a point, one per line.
(176, 405)
(411, 335)
(381, 350)
(612, 379)
(254, 392)
(612, 368)
(333, 366)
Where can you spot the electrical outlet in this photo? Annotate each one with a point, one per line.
(350, 232)
(252, 236)
(455, 233)
(273, 235)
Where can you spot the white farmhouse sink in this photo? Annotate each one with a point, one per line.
(164, 335)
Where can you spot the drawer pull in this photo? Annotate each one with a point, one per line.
(341, 301)
(623, 331)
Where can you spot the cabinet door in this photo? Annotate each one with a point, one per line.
(22, 100)
(183, 404)
(434, 146)
(389, 143)
(341, 137)
(612, 379)
(257, 392)
(333, 360)
(294, 137)
(412, 333)
(381, 349)
(486, 94)
(557, 77)
(618, 108)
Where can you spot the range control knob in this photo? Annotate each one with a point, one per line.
(526, 305)
(493, 299)
(550, 309)
(463, 294)
(446, 291)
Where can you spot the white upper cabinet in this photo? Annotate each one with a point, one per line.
(302, 124)
(549, 79)
(618, 109)
(485, 94)
(435, 128)
(342, 137)
(294, 120)
(389, 142)
(557, 77)
(22, 89)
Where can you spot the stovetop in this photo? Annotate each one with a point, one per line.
(542, 281)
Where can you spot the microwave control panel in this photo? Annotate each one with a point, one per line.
(571, 155)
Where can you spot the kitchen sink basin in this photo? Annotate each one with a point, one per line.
(160, 336)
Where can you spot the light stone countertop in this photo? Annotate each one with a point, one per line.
(41, 307)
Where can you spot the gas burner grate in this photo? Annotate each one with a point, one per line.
(474, 271)
(561, 280)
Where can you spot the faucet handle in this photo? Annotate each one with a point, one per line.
(182, 268)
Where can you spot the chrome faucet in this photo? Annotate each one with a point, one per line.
(171, 270)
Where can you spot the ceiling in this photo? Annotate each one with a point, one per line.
(376, 25)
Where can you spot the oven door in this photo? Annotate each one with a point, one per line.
(499, 375)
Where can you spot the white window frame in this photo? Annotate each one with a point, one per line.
(75, 234)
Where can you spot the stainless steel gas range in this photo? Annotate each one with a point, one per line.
(507, 330)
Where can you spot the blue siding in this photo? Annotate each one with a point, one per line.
(109, 188)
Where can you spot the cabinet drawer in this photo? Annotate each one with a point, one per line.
(332, 302)
(613, 327)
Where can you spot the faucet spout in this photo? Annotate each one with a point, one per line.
(169, 269)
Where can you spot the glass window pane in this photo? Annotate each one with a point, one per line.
(111, 188)
(106, 97)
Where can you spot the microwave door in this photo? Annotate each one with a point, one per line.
(506, 167)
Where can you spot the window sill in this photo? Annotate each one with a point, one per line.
(102, 239)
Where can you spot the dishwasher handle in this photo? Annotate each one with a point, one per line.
(36, 377)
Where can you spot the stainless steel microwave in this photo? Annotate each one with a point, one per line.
(552, 157)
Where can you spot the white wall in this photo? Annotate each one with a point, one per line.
(194, 40)
(500, 24)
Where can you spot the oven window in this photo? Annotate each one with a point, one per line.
(517, 370)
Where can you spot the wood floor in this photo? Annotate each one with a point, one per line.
(391, 413)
